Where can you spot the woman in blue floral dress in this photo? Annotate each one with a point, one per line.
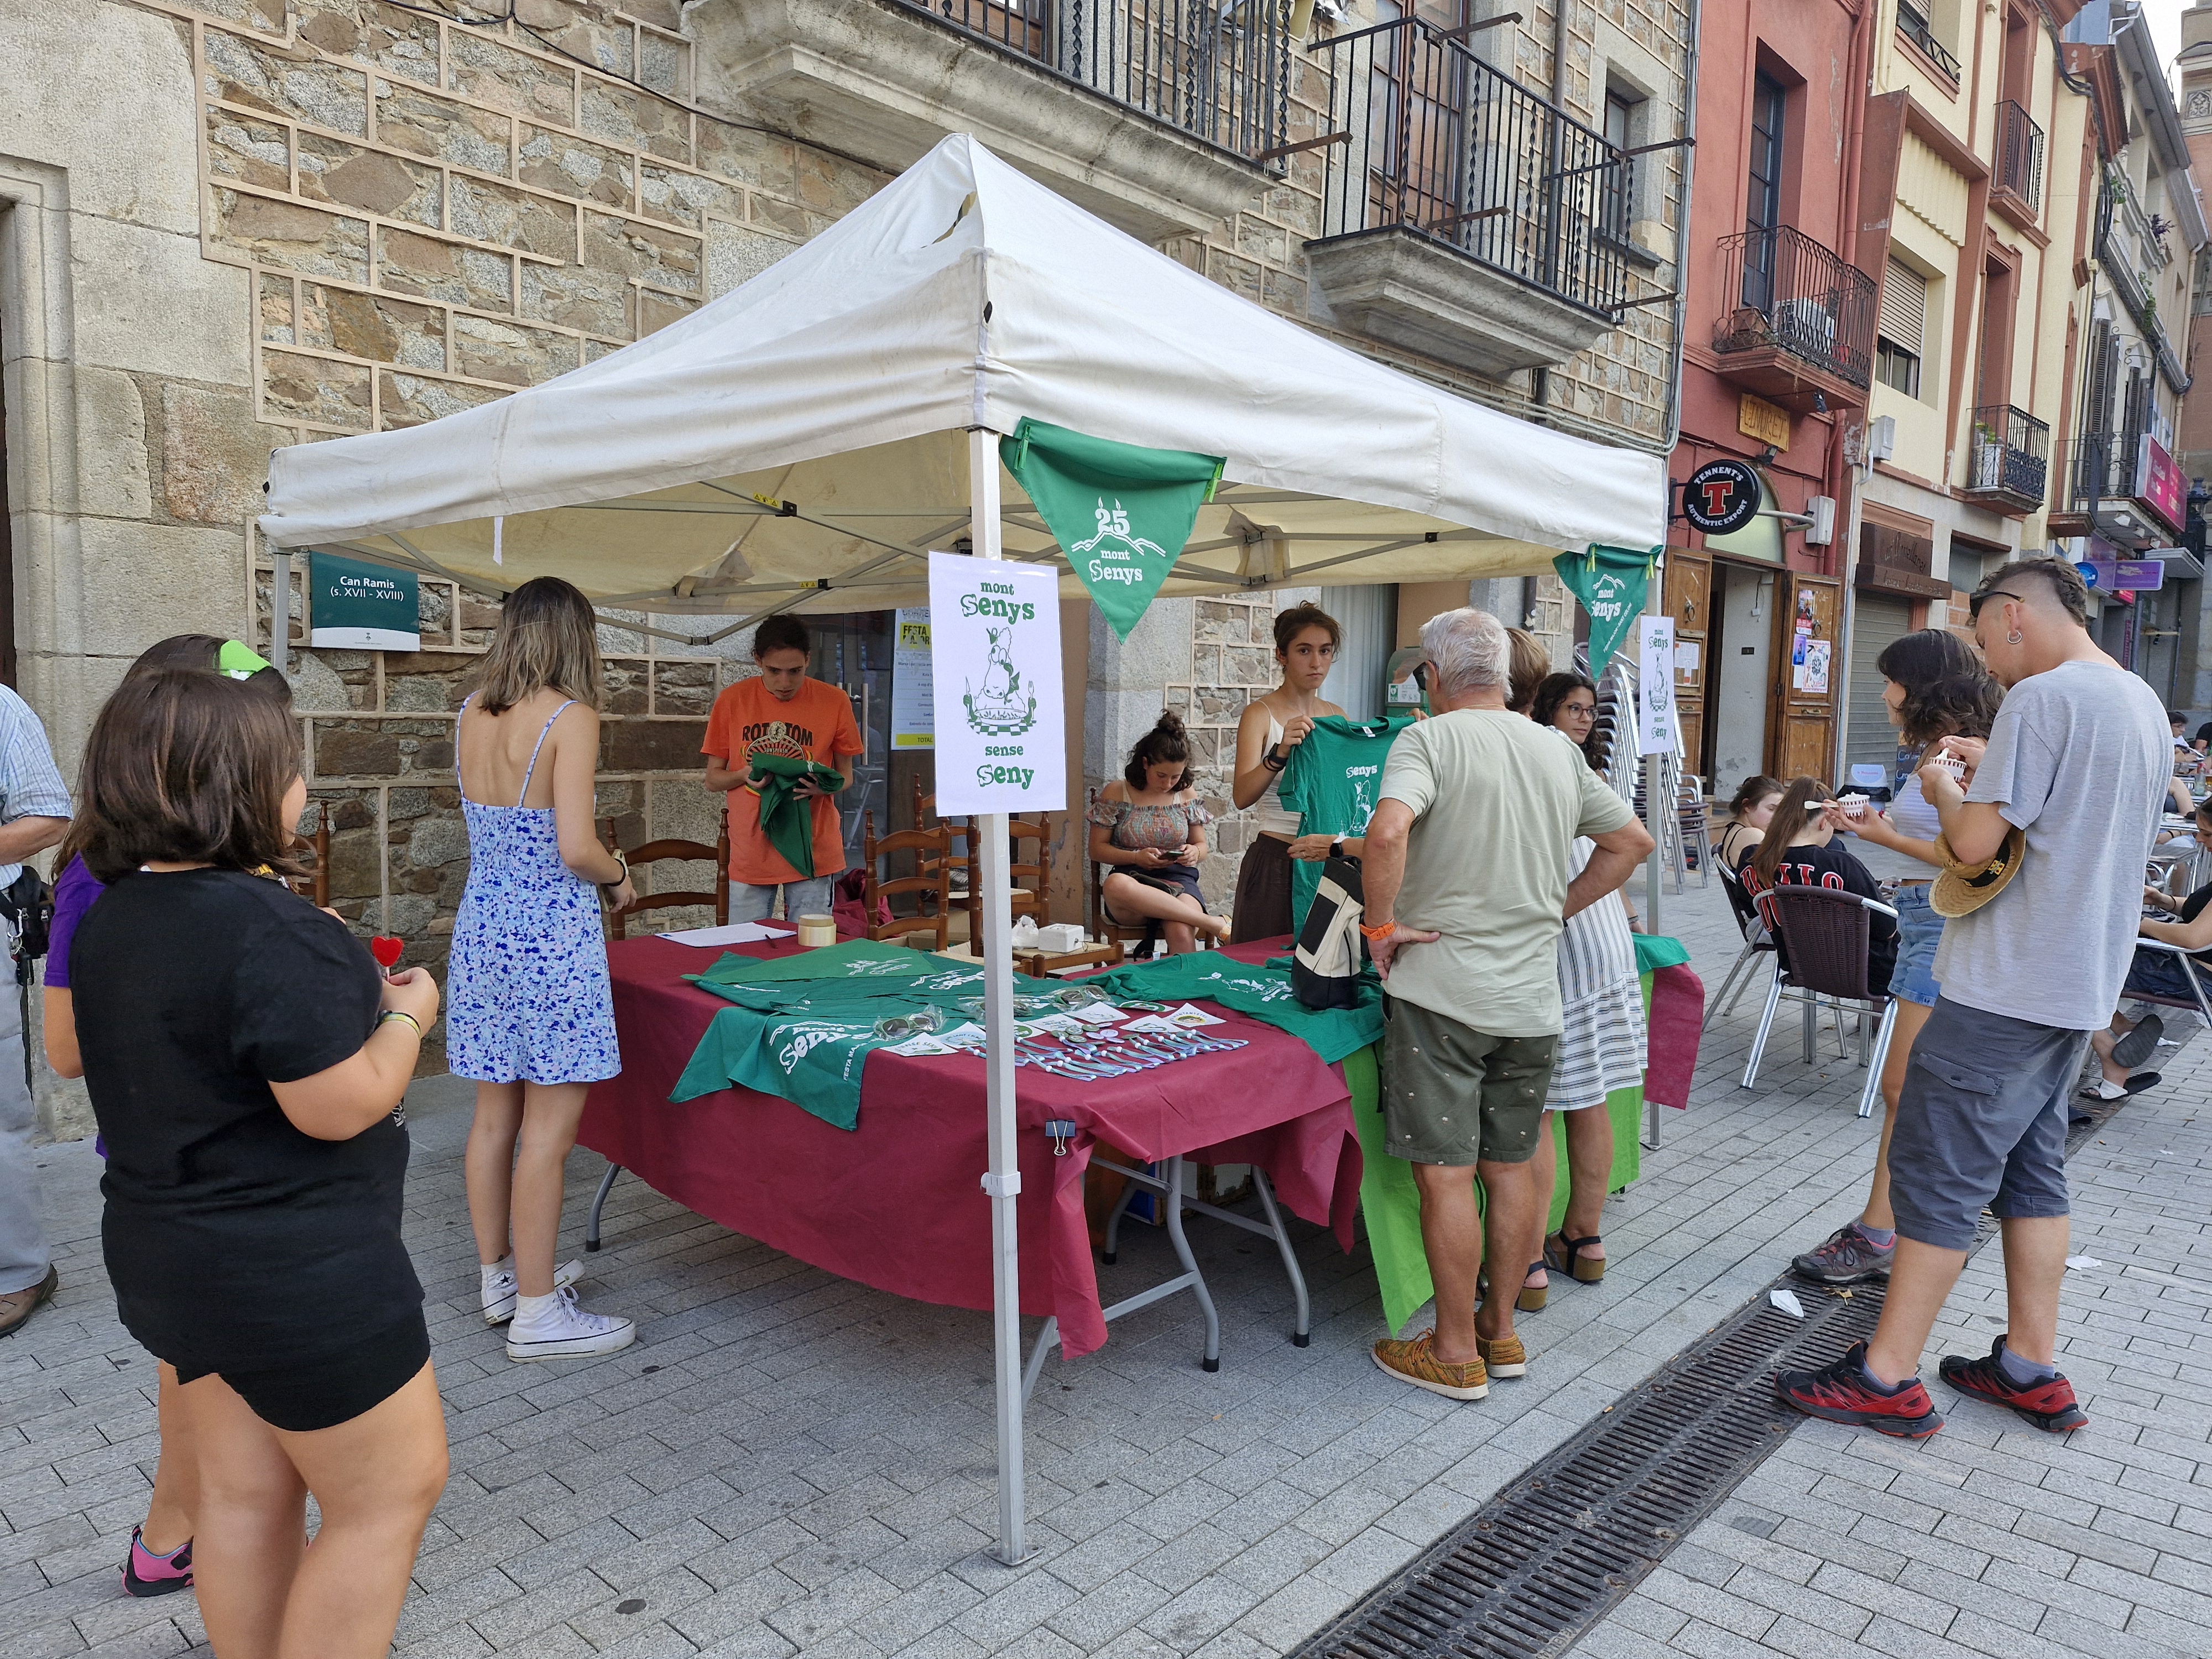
(531, 1014)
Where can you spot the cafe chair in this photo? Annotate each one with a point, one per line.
(682, 851)
(929, 888)
(1827, 935)
(316, 884)
(1758, 943)
(2193, 970)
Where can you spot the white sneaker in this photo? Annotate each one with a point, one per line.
(559, 1329)
(500, 1290)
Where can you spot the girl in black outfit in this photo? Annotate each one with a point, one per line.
(1799, 848)
(245, 1060)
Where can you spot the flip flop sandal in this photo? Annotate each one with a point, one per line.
(2107, 1091)
(2139, 1044)
(1563, 1254)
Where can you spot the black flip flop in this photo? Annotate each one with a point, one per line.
(2139, 1044)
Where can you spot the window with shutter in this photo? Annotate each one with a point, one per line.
(1901, 339)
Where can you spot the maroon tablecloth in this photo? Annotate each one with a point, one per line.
(898, 1203)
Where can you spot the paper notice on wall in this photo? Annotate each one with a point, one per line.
(914, 715)
(996, 685)
(1655, 731)
(1808, 667)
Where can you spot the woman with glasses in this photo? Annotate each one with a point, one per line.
(1934, 687)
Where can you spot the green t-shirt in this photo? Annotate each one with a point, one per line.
(1263, 991)
(1333, 782)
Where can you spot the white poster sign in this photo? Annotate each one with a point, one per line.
(994, 658)
(1655, 685)
(913, 711)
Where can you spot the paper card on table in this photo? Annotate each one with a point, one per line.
(968, 1035)
(1100, 1013)
(1190, 1014)
(1151, 1023)
(737, 933)
(1059, 1022)
(925, 1043)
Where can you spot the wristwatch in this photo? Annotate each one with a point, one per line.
(1336, 847)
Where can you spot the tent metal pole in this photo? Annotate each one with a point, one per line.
(1004, 1179)
(280, 611)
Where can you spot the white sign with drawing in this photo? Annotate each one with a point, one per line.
(1655, 731)
(995, 667)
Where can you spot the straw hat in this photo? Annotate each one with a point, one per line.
(1965, 888)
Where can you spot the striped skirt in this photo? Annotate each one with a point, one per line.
(1601, 1041)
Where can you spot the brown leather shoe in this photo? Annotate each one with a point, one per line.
(17, 1306)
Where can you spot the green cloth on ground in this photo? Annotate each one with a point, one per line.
(1333, 782)
(1655, 951)
(807, 1041)
(1392, 1206)
(786, 820)
(1263, 991)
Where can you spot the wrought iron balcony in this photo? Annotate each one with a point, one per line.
(2008, 464)
(1218, 73)
(2020, 159)
(1795, 300)
(1450, 161)
(2096, 489)
(1912, 24)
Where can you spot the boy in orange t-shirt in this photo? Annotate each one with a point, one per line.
(779, 712)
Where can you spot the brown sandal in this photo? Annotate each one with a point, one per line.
(1531, 1298)
(1563, 1254)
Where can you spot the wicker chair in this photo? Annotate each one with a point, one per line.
(1826, 935)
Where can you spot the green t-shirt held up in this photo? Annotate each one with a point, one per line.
(1498, 802)
(1333, 782)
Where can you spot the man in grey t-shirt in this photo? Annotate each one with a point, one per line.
(2077, 764)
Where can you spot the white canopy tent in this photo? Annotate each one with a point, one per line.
(803, 441)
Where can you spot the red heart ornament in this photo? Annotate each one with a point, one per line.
(386, 950)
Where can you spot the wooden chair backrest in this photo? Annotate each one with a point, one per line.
(316, 884)
(932, 848)
(688, 852)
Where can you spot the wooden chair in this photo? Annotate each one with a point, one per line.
(925, 811)
(316, 884)
(1026, 875)
(688, 852)
(933, 850)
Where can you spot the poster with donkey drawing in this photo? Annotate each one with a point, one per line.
(994, 672)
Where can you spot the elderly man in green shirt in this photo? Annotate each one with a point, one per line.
(1466, 872)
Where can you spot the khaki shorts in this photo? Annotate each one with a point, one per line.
(1454, 1095)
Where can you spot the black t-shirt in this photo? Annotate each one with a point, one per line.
(233, 1239)
(1833, 866)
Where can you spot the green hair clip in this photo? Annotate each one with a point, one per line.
(239, 662)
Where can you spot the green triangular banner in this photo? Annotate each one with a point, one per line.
(1122, 513)
(1610, 582)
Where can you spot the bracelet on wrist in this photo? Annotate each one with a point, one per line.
(1273, 761)
(1381, 932)
(622, 861)
(401, 1013)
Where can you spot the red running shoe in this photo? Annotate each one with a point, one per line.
(2049, 1405)
(1841, 1394)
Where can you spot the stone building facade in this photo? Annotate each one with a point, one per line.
(233, 225)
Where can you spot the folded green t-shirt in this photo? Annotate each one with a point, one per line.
(1263, 991)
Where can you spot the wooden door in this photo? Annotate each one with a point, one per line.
(1801, 735)
(1688, 599)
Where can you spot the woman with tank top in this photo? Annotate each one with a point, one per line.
(1935, 687)
(532, 1013)
(1306, 642)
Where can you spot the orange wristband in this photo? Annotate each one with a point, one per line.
(1378, 933)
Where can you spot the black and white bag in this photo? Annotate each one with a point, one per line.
(1325, 970)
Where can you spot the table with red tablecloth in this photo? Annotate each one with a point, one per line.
(897, 1202)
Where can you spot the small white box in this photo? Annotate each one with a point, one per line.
(1059, 938)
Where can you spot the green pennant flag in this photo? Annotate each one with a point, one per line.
(1610, 582)
(1119, 513)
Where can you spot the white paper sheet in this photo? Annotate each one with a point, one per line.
(737, 933)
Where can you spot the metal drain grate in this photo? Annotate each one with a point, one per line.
(1546, 1558)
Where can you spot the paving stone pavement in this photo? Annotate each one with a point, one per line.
(787, 1462)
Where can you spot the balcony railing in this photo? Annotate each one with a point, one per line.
(1443, 144)
(1912, 24)
(2020, 155)
(1795, 294)
(1218, 73)
(2010, 457)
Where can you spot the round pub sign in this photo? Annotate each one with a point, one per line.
(1721, 497)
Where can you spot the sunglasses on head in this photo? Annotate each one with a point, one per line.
(1975, 604)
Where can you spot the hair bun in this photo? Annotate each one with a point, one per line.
(1169, 721)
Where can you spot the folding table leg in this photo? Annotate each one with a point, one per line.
(1047, 1339)
(1177, 1167)
(1114, 1225)
(1303, 1333)
(599, 1202)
